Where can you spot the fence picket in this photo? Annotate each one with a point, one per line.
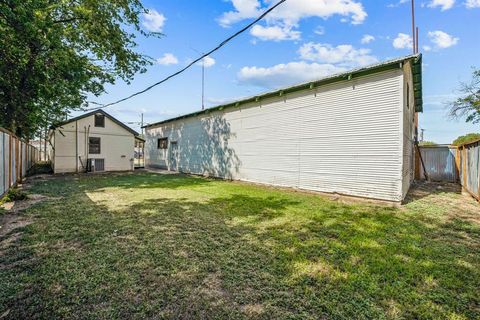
(16, 158)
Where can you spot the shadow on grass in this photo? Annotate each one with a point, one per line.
(238, 256)
(68, 185)
(422, 189)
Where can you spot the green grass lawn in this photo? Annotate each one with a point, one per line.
(146, 245)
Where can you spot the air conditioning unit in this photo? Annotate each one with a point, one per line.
(95, 165)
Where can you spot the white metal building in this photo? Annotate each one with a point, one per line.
(351, 133)
(94, 141)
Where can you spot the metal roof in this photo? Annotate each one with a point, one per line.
(348, 75)
(135, 133)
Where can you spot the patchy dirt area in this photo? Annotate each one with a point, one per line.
(459, 204)
(12, 219)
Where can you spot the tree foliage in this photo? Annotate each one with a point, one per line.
(468, 105)
(427, 143)
(53, 53)
(470, 137)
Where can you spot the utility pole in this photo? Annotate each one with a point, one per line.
(203, 77)
(421, 134)
(414, 42)
(416, 39)
(141, 123)
(203, 84)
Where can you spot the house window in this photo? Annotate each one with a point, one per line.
(162, 143)
(100, 120)
(408, 96)
(94, 146)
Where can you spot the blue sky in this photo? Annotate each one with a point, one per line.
(302, 40)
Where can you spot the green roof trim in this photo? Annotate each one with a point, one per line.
(348, 75)
(417, 83)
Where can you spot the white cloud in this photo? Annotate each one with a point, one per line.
(208, 62)
(321, 60)
(167, 59)
(442, 40)
(343, 55)
(286, 74)
(275, 33)
(367, 39)
(153, 21)
(285, 18)
(403, 41)
(293, 11)
(427, 48)
(399, 3)
(244, 9)
(471, 4)
(443, 4)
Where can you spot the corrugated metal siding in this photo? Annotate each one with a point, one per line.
(344, 137)
(439, 162)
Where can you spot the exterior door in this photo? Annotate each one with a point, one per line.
(173, 156)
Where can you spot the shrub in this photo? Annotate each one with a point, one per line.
(14, 194)
(427, 143)
(470, 137)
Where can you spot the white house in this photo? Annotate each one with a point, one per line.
(351, 133)
(94, 141)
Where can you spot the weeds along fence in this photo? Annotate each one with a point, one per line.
(16, 158)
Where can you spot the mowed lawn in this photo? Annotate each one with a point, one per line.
(145, 245)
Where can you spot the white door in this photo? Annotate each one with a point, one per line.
(173, 156)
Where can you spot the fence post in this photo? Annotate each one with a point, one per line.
(10, 169)
(457, 164)
(478, 170)
(16, 161)
(21, 161)
(465, 161)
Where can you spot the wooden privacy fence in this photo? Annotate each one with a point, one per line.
(453, 164)
(16, 158)
(468, 162)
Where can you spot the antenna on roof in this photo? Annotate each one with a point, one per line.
(203, 77)
(416, 39)
(413, 28)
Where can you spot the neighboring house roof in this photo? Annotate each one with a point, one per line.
(374, 68)
(135, 133)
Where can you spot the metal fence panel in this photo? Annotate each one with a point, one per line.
(439, 163)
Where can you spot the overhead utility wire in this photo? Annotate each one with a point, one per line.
(196, 60)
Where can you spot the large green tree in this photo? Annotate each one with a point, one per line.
(468, 105)
(53, 53)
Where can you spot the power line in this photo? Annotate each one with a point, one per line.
(223, 43)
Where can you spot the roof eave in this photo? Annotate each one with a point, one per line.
(348, 75)
(135, 133)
